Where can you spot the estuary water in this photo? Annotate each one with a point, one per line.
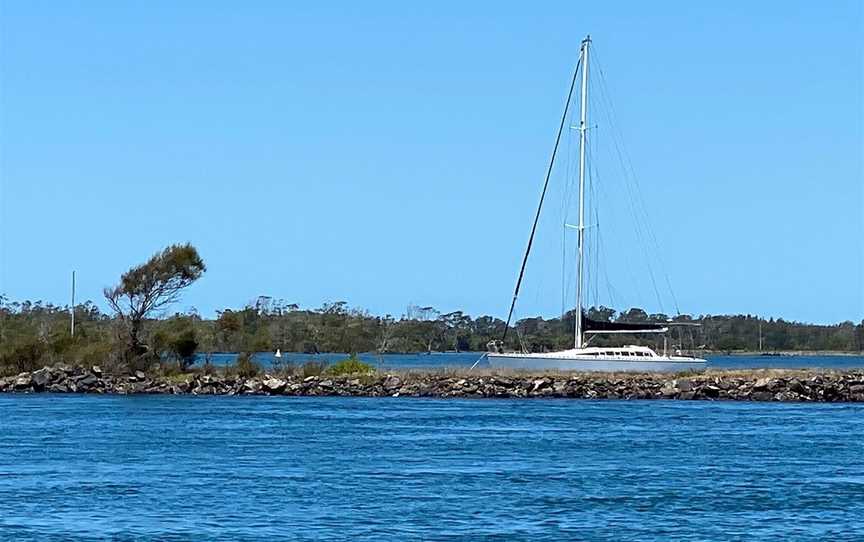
(440, 360)
(93, 467)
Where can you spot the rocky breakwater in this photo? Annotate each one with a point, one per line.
(810, 386)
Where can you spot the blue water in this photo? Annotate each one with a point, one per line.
(467, 359)
(259, 468)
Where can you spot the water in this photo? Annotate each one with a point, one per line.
(258, 468)
(467, 359)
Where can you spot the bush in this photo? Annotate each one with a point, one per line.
(175, 340)
(244, 366)
(184, 346)
(313, 368)
(284, 368)
(25, 356)
(350, 366)
(208, 368)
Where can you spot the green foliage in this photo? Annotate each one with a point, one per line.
(313, 368)
(350, 366)
(33, 334)
(175, 340)
(150, 287)
(244, 366)
(24, 355)
(184, 346)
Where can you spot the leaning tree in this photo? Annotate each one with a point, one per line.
(145, 289)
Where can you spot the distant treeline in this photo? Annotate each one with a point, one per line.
(33, 334)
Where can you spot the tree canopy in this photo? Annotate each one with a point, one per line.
(150, 287)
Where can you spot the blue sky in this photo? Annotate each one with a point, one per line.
(385, 153)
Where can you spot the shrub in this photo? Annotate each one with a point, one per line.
(349, 366)
(313, 368)
(184, 345)
(25, 356)
(245, 366)
(208, 368)
(284, 368)
(96, 353)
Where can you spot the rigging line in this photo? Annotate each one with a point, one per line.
(542, 196)
(589, 245)
(597, 192)
(635, 201)
(601, 189)
(565, 206)
(595, 218)
(609, 288)
(639, 194)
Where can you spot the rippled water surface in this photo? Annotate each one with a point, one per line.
(258, 468)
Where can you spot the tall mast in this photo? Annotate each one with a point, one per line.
(583, 128)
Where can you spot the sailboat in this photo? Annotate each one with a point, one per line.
(583, 357)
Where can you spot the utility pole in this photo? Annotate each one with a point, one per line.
(760, 334)
(72, 308)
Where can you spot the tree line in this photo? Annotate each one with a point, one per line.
(137, 334)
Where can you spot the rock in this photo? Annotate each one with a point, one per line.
(762, 384)
(41, 378)
(683, 385)
(138, 387)
(23, 381)
(711, 391)
(253, 385)
(668, 391)
(274, 385)
(540, 383)
(796, 386)
(847, 386)
(87, 382)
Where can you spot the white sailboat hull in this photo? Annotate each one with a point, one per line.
(573, 361)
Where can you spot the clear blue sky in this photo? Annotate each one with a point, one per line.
(391, 152)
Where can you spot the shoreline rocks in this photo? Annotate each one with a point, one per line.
(757, 385)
